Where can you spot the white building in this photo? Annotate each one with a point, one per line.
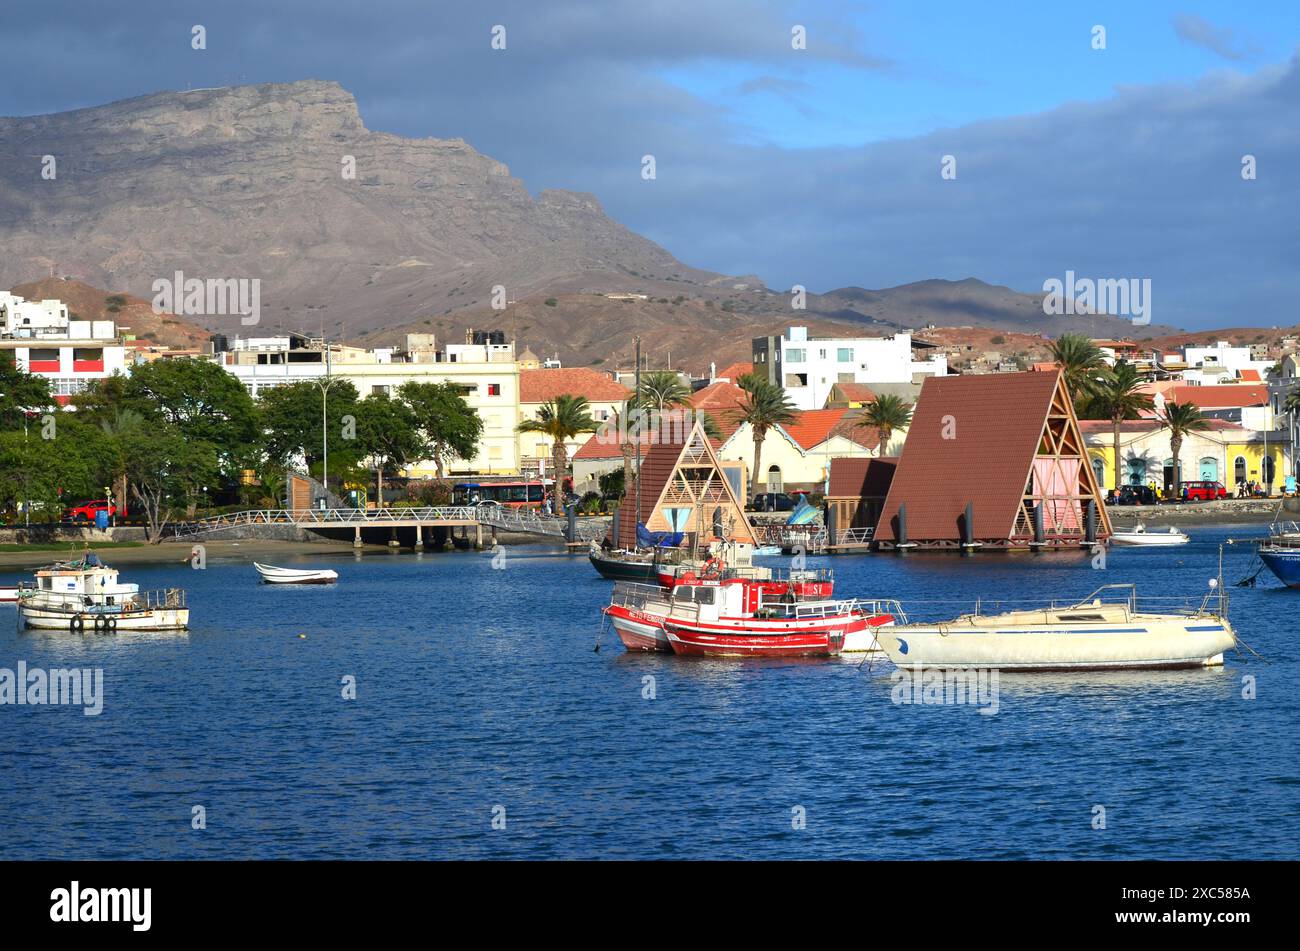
(483, 368)
(808, 367)
(47, 342)
(1208, 365)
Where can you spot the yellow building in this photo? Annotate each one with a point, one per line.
(1224, 452)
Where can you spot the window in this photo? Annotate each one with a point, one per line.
(494, 389)
(845, 355)
(377, 390)
(794, 356)
(704, 595)
(796, 379)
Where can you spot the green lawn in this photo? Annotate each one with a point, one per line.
(68, 546)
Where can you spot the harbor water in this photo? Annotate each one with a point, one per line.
(484, 725)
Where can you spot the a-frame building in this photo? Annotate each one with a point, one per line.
(682, 485)
(994, 461)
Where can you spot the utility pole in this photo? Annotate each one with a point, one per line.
(636, 396)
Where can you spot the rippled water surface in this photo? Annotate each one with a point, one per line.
(478, 690)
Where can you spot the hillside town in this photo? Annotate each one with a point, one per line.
(783, 419)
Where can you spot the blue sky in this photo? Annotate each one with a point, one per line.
(818, 167)
(946, 64)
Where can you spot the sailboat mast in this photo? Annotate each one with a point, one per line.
(636, 395)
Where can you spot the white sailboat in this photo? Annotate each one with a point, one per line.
(1084, 635)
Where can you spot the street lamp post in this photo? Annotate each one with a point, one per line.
(324, 423)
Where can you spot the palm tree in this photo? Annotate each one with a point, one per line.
(886, 413)
(661, 390)
(1082, 363)
(1181, 419)
(563, 418)
(765, 405)
(1118, 398)
(121, 425)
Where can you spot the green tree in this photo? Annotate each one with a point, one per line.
(1119, 397)
(202, 400)
(291, 423)
(165, 468)
(661, 390)
(20, 391)
(764, 405)
(49, 472)
(1181, 419)
(563, 418)
(388, 433)
(886, 413)
(1082, 363)
(450, 426)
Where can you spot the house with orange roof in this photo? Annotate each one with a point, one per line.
(850, 396)
(798, 455)
(733, 373)
(1245, 403)
(541, 386)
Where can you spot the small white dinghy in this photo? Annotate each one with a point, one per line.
(1140, 536)
(8, 594)
(273, 575)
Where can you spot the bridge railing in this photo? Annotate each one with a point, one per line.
(520, 520)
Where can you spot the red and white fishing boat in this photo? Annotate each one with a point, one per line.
(741, 617)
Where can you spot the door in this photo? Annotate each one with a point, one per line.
(1209, 469)
(774, 483)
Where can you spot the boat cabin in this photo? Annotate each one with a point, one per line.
(89, 580)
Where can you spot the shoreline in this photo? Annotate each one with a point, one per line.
(179, 553)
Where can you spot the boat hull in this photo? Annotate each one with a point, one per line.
(1284, 563)
(617, 570)
(755, 639)
(638, 630)
(1148, 539)
(161, 619)
(1138, 643)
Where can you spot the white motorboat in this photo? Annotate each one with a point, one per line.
(273, 575)
(1140, 536)
(1085, 635)
(8, 594)
(86, 596)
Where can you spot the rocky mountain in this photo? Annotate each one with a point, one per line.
(351, 232)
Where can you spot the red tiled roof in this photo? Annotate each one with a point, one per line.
(996, 421)
(857, 478)
(812, 427)
(1221, 396)
(542, 386)
(722, 401)
(735, 372)
(1251, 376)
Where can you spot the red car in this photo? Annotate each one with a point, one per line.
(1204, 491)
(85, 512)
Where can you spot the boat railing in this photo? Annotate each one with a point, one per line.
(1213, 603)
(79, 602)
(634, 595)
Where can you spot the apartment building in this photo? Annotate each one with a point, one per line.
(809, 367)
(47, 342)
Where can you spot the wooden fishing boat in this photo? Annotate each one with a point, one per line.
(86, 596)
(273, 575)
(742, 617)
(1092, 634)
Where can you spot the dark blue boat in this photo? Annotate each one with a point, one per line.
(1283, 561)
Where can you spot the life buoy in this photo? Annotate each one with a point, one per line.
(687, 576)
